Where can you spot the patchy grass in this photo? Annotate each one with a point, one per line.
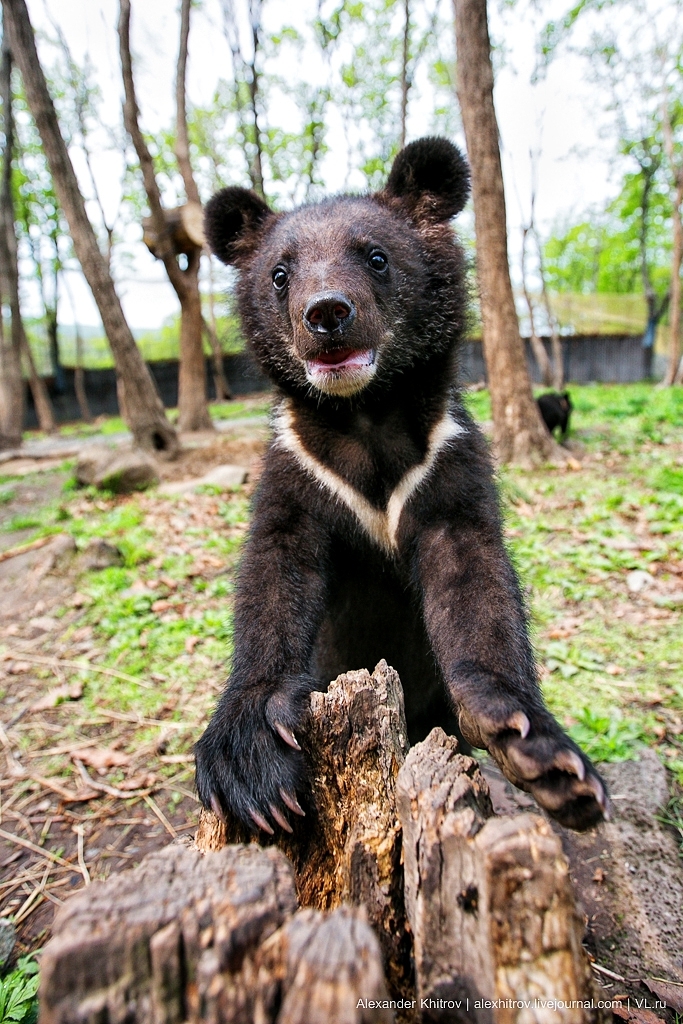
(135, 658)
(610, 657)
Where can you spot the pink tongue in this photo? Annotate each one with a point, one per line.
(348, 357)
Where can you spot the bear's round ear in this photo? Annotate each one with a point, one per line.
(430, 179)
(231, 222)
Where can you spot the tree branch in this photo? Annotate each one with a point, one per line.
(182, 145)
(131, 116)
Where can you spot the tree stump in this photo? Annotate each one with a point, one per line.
(208, 940)
(349, 850)
(497, 935)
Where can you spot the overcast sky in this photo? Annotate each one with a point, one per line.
(561, 117)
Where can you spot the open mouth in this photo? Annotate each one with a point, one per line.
(341, 371)
(341, 359)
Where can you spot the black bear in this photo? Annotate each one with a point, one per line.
(376, 531)
(555, 409)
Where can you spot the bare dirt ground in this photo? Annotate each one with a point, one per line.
(97, 765)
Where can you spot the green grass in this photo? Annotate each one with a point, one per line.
(613, 679)
(236, 410)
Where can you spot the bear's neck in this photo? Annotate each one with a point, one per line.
(372, 441)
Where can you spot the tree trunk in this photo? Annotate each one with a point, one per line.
(41, 399)
(52, 323)
(672, 371)
(11, 381)
(79, 380)
(537, 346)
(193, 413)
(147, 419)
(673, 368)
(405, 82)
(519, 433)
(257, 174)
(182, 142)
(11, 388)
(555, 343)
(220, 383)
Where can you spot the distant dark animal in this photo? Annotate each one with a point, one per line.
(556, 409)
(376, 531)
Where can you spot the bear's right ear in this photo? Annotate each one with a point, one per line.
(231, 222)
(430, 179)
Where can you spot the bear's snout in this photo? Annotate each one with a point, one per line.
(329, 313)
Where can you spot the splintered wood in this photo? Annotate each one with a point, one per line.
(212, 939)
(349, 850)
(496, 930)
(487, 928)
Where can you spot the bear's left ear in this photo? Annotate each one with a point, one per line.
(430, 179)
(232, 222)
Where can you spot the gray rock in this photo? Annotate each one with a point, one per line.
(225, 477)
(639, 580)
(92, 461)
(638, 789)
(100, 554)
(120, 470)
(8, 936)
(44, 623)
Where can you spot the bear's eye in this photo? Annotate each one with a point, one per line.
(378, 261)
(280, 278)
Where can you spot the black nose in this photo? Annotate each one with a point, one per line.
(329, 312)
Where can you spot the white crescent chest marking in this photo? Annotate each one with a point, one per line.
(381, 526)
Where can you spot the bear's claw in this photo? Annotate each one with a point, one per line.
(287, 735)
(536, 755)
(249, 765)
(292, 803)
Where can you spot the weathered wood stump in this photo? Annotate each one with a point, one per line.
(210, 934)
(208, 940)
(349, 851)
(497, 934)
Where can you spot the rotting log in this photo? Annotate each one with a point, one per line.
(349, 850)
(489, 900)
(209, 940)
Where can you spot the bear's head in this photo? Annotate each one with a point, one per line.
(348, 293)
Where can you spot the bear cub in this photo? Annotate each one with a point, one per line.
(376, 531)
(555, 408)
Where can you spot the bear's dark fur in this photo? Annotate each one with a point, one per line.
(376, 531)
(556, 409)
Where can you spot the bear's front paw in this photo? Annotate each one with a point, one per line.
(249, 763)
(537, 756)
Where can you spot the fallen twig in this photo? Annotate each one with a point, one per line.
(85, 666)
(120, 794)
(161, 816)
(610, 974)
(80, 835)
(22, 549)
(121, 716)
(29, 904)
(66, 794)
(14, 766)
